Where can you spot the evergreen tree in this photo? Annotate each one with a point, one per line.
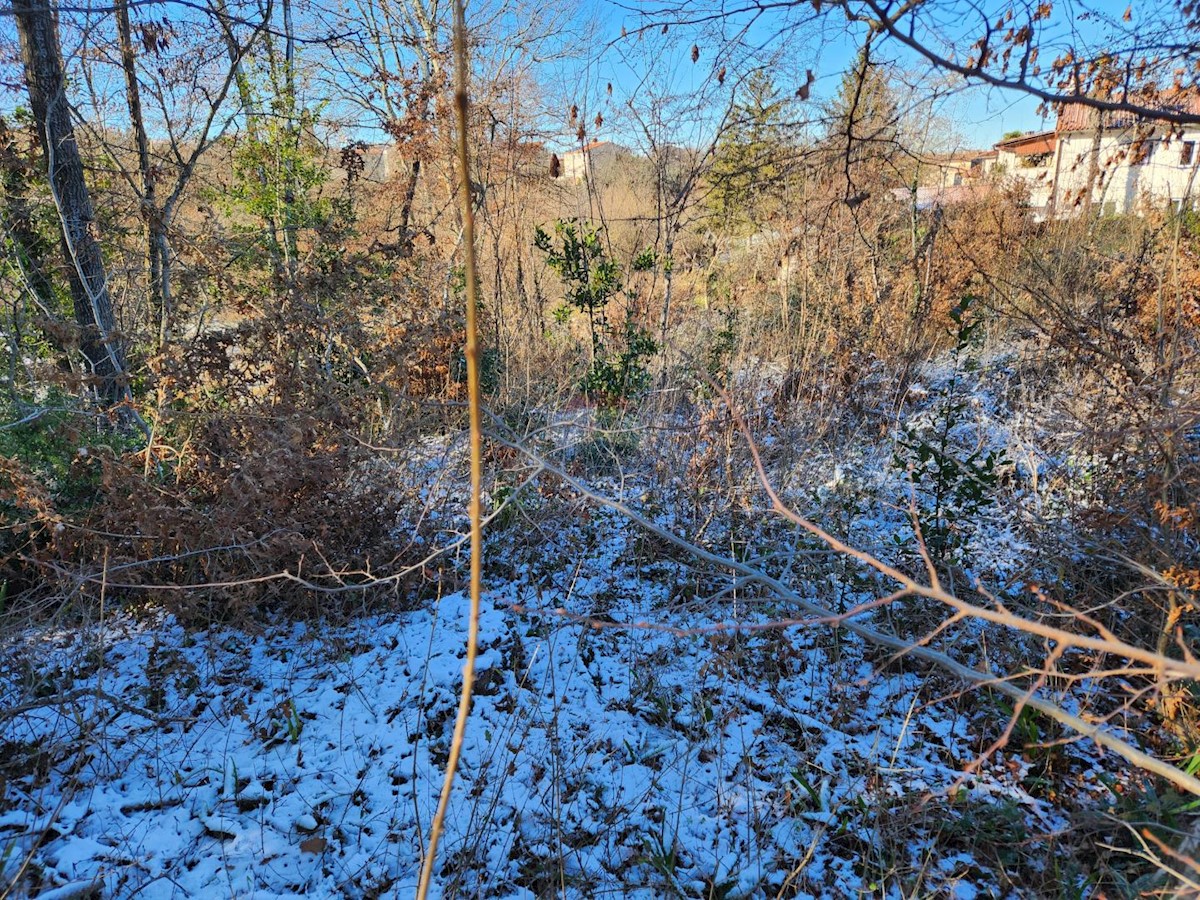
(863, 135)
(753, 158)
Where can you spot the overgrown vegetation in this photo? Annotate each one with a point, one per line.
(233, 402)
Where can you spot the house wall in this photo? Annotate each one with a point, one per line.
(1034, 173)
(982, 166)
(378, 162)
(574, 165)
(1160, 172)
(948, 173)
(577, 163)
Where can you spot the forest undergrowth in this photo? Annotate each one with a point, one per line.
(646, 722)
(836, 541)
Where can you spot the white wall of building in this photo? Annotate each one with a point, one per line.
(1161, 170)
(1034, 174)
(579, 164)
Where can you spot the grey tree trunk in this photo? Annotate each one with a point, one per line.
(152, 215)
(37, 26)
(291, 249)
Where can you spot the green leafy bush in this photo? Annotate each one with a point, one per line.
(591, 281)
(953, 486)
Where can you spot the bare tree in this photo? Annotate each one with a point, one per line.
(185, 106)
(41, 53)
(680, 111)
(1139, 59)
(156, 239)
(394, 70)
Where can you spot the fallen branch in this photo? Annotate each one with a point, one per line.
(64, 699)
(1031, 699)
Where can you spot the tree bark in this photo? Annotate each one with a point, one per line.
(291, 248)
(152, 216)
(1094, 173)
(37, 26)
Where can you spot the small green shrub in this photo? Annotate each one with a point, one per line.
(592, 281)
(715, 365)
(620, 373)
(60, 449)
(953, 487)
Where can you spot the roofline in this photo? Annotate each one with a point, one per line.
(1025, 138)
(934, 159)
(590, 146)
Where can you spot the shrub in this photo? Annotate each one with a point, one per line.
(954, 486)
(592, 281)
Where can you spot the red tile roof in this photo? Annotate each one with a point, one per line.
(1029, 144)
(586, 147)
(1079, 117)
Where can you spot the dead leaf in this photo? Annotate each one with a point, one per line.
(313, 845)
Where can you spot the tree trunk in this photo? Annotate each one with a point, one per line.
(37, 27)
(291, 248)
(406, 205)
(152, 216)
(1094, 173)
(245, 95)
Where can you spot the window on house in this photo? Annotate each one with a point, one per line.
(1187, 153)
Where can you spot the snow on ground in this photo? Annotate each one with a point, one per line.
(307, 761)
(142, 759)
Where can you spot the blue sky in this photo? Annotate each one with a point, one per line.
(790, 43)
(979, 116)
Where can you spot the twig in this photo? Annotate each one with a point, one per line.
(32, 417)
(1089, 730)
(1169, 667)
(475, 415)
(11, 712)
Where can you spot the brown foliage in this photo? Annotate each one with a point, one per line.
(245, 488)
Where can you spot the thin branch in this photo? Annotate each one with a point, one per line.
(475, 414)
(1090, 730)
